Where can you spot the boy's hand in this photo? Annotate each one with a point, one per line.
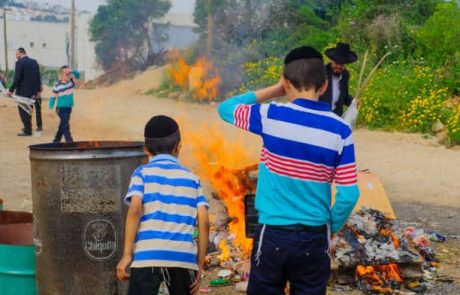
(195, 287)
(125, 261)
(276, 90)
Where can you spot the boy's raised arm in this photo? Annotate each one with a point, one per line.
(346, 180)
(244, 111)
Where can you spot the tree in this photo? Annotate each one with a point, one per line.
(440, 36)
(122, 31)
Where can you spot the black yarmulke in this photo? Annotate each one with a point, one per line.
(160, 127)
(303, 52)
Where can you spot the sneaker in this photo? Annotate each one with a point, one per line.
(39, 129)
(22, 133)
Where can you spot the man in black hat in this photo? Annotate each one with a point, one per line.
(337, 91)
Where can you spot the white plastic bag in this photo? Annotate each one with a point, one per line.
(351, 114)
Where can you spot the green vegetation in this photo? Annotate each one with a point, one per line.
(417, 85)
(122, 32)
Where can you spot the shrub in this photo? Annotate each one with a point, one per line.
(453, 123)
(404, 95)
(261, 73)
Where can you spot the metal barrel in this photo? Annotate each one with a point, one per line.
(77, 196)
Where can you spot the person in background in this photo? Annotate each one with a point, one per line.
(27, 83)
(306, 147)
(337, 94)
(166, 203)
(63, 94)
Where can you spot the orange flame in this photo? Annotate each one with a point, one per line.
(377, 276)
(200, 79)
(220, 163)
(225, 250)
(178, 73)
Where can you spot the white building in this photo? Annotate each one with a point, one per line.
(48, 43)
(174, 30)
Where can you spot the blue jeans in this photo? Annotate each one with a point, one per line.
(296, 256)
(64, 125)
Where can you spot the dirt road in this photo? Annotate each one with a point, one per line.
(420, 176)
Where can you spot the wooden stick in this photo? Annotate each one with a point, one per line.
(370, 74)
(363, 66)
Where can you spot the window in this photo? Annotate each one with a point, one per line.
(44, 45)
(32, 44)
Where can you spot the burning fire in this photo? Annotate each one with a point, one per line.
(220, 163)
(200, 79)
(380, 278)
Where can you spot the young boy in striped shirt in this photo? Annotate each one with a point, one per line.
(166, 203)
(63, 98)
(306, 147)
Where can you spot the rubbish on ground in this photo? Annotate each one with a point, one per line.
(219, 282)
(437, 237)
(205, 290)
(242, 287)
(385, 256)
(225, 273)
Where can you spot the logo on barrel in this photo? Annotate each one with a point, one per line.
(100, 239)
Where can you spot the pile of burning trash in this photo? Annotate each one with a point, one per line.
(382, 257)
(370, 252)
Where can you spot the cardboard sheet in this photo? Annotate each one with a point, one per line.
(373, 195)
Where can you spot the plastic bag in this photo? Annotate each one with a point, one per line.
(351, 114)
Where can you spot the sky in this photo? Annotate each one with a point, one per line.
(179, 6)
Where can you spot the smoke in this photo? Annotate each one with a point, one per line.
(238, 27)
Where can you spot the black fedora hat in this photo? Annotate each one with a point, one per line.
(342, 54)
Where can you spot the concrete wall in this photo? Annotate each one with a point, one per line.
(47, 43)
(172, 36)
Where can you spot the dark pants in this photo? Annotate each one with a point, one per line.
(296, 256)
(38, 112)
(26, 120)
(64, 125)
(147, 280)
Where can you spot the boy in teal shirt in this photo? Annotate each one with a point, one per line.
(63, 93)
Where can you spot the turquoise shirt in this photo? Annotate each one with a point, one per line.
(306, 149)
(64, 93)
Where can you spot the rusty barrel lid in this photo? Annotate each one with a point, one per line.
(87, 150)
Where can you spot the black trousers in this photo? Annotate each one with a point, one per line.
(38, 112)
(147, 280)
(26, 120)
(297, 257)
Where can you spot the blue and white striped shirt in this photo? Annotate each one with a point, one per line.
(306, 148)
(170, 195)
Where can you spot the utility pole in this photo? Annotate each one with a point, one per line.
(210, 27)
(72, 35)
(5, 40)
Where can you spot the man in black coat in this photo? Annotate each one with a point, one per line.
(27, 83)
(337, 91)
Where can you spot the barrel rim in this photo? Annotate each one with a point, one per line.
(88, 145)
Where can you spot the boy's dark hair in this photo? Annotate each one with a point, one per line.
(304, 68)
(63, 67)
(161, 135)
(22, 50)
